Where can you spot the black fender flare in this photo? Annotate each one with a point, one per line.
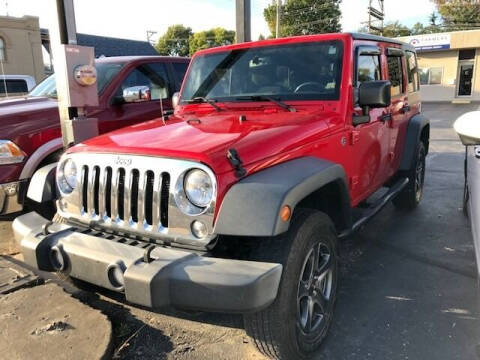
(415, 127)
(252, 206)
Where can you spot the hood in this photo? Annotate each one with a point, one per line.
(261, 135)
(25, 104)
(23, 118)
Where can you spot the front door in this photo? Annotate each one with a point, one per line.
(465, 78)
(371, 140)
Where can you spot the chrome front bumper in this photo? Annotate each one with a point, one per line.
(164, 277)
(11, 197)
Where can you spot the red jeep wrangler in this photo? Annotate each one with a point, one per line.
(30, 134)
(238, 206)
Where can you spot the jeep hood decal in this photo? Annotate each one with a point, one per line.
(208, 138)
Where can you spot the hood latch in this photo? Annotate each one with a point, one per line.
(234, 158)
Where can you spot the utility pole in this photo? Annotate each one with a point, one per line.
(150, 34)
(376, 17)
(75, 76)
(279, 10)
(243, 20)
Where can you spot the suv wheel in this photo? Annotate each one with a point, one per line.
(411, 196)
(298, 320)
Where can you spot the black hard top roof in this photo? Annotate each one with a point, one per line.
(362, 36)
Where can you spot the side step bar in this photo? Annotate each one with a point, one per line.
(379, 205)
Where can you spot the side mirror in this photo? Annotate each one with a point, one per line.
(175, 99)
(136, 94)
(374, 94)
(467, 126)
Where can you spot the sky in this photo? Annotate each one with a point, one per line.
(131, 19)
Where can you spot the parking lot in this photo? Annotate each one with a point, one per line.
(408, 290)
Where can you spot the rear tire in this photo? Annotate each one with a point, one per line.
(412, 194)
(296, 323)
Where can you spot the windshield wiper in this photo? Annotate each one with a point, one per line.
(201, 99)
(269, 98)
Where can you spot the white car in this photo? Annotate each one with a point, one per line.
(13, 85)
(467, 127)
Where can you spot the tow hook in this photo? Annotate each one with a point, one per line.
(146, 255)
(236, 162)
(45, 228)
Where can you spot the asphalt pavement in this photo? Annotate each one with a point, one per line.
(408, 287)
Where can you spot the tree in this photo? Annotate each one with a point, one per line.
(304, 17)
(395, 29)
(417, 29)
(459, 14)
(175, 42)
(211, 38)
(433, 19)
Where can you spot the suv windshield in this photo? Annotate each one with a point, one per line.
(305, 71)
(105, 73)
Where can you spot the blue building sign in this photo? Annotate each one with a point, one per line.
(429, 42)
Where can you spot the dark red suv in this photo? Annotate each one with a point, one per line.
(30, 134)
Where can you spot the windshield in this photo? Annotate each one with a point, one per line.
(105, 73)
(305, 71)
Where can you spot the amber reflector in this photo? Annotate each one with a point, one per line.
(285, 213)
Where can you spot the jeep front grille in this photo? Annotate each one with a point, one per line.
(134, 195)
(131, 195)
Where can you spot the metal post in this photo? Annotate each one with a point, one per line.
(72, 98)
(279, 10)
(243, 21)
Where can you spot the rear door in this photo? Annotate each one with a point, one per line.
(371, 140)
(120, 114)
(399, 109)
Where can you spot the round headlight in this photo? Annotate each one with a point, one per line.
(198, 188)
(70, 173)
(67, 176)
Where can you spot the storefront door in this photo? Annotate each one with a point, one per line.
(465, 78)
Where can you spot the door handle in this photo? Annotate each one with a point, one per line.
(386, 117)
(406, 108)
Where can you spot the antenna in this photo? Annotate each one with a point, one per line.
(4, 79)
(161, 109)
(6, 6)
(376, 17)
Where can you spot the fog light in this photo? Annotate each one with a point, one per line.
(199, 229)
(57, 259)
(115, 276)
(10, 189)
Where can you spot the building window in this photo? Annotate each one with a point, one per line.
(431, 76)
(2, 49)
(466, 54)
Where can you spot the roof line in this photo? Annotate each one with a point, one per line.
(362, 36)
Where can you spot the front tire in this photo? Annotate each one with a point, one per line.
(297, 322)
(411, 196)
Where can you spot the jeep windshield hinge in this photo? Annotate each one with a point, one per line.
(236, 162)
